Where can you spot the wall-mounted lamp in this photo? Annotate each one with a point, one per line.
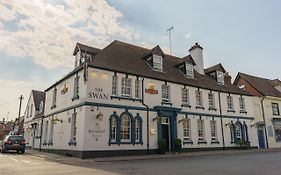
(254, 125)
(154, 118)
(57, 120)
(100, 116)
(228, 124)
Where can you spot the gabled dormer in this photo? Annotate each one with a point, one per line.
(217, 72)
(155, 58)
(84, 53)
(187, 66)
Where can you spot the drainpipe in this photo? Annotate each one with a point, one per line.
(222, 132)
(263, 116)
(147, 118)
(41, 131)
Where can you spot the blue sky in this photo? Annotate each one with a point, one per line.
(38, 37)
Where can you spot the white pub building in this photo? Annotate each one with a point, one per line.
(120, 100)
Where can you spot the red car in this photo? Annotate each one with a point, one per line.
(13, 142)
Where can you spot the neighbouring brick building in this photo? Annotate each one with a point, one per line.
(266, 107)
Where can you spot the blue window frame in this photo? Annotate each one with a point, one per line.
(125, 129)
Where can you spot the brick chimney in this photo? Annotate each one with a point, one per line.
(227, 78)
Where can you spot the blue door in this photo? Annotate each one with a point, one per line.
(261, 138)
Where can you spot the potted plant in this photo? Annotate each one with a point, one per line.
(242, 144)
(162, 146)
(178, 145)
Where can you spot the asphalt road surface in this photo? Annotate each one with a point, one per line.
(261, 163)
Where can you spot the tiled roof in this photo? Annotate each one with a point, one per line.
(38, 96)
(126, 58)
(263, 85)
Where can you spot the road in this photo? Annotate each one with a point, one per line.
(261, 163)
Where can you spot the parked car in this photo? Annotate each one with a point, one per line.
(13, 142)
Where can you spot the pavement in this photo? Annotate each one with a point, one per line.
(230, 162)
(57, 157)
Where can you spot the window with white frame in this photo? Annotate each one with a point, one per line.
(211, 98)
(114, 85)
(189, 70)
(77, 59)
(137, 129)
(46, 132)
(31, 110)
(137, 88)
(275, 108)
(220, 77)
(200, 127)
(73, 127)
(51, 135)
(126, 86)
(230, 105)
(238, 132)
(54, 98)
(76, 88)
(27, 112)
(113, 129)
(185, 96)
(165, 93)
(157, 62)
(277, 131)
(199, 100)
(242, 104)
(186, 129)
(213, 125)
(41, 107)
(125, 131)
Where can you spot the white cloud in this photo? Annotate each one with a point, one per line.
(48, 32)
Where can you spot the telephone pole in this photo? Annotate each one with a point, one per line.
(170, 39)
(21, 98)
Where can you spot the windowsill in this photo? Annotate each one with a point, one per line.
(166, 103)
(276, 114)
(211, 108)
(231, 110)
(202, 142)
(200, 107)
(186, 105)
(215, 142)
(243, 112)
(72, 143)
(125, 98)
(188, 142)
(75, 97)
(53, 107)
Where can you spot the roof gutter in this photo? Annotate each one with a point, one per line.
(263, 116)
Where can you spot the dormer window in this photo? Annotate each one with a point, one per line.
(157, 62)
(220, 78)
(189, 70)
